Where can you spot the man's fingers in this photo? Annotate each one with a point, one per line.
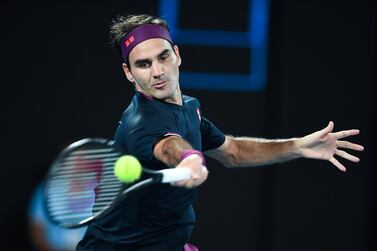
(204, 170)
(349, 145)
(337, 164)
(199, 172)
(346, 133)
(180, 183)
(185, 183)
(197, 178)
(346, 155)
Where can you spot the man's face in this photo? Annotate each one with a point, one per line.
(155, 69)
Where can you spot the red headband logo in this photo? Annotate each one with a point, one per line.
(140, 34)
(129, 41)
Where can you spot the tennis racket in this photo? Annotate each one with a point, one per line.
(81, 186)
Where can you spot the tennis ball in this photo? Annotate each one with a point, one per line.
(127, 169)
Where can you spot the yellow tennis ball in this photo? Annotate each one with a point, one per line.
(127, 169)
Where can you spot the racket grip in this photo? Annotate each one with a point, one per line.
(175, 174)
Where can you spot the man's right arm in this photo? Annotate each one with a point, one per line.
(169, 150)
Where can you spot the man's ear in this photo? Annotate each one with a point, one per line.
(128, 73)
(176, 50)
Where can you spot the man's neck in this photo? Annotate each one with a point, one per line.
(176, 99)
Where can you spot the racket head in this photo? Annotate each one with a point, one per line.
(81, 184)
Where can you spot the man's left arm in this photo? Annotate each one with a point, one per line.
(323, 144)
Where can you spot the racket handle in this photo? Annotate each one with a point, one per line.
(175, 174)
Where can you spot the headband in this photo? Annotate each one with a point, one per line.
(140, 34)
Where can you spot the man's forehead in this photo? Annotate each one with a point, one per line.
(149, 49)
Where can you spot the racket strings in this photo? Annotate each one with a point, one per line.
(82, 184)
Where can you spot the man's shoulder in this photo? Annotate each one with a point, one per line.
(145, 114)
(188, 100)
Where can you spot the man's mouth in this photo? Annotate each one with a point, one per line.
(160, 85)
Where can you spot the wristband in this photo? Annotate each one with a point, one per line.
(189, 152)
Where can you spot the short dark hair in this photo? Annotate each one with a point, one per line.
(122, 25)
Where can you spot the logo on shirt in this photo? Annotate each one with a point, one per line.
(198, 112)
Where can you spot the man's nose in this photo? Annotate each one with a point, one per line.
(157, 70)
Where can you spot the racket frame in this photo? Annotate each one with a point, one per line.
(156, 177)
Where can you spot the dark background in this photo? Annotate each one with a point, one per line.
(60, 81)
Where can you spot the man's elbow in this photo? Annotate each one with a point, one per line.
(229, 153)
(231, 161)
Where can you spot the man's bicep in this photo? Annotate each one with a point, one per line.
(212, 137)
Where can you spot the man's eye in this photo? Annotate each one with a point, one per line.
(165, 56)
(143, 65)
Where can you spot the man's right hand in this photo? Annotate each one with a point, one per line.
(199, 171)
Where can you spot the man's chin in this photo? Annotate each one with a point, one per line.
(164, 97)
(160, 94)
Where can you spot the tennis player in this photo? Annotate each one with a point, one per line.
(164, 128)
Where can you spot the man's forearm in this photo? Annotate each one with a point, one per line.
(169, 150)
(257, 151)
(176, 152)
